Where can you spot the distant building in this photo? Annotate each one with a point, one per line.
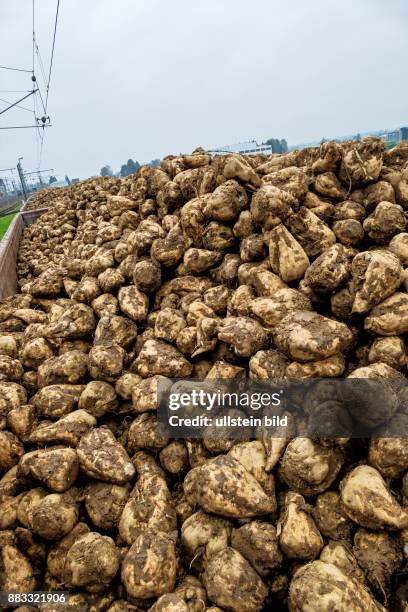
(58, 184)
(250, 147)
(75, 181)
(391, 136)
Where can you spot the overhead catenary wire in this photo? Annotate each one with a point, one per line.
(40, 62)
(41, 147)
(17, 105)
(44, 120)
(32, 92)
(33, 6)
(49, 79)
(23, 127)
(36, 50)
(42, 100)
(39, 136)
(35, 171)
(37, 132)
(16, 69)
(18, 101)
(37, 141)
(52, 53)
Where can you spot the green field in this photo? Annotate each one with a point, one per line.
(5, 222)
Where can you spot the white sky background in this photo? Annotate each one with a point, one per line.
(145, 78)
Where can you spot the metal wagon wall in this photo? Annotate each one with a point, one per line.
(9, 250)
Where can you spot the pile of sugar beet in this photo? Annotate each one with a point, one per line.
(42, 199)
(288, 266)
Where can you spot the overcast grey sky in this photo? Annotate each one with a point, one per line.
(145, 78)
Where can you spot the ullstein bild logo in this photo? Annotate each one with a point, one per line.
(228, 421)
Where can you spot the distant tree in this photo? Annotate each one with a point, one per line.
(154, 163)
(132, 166)
(271, 143)
(358, 136)
(68, 182)
(278, 146)
(52, 180)
(106, 171)
(129, 168)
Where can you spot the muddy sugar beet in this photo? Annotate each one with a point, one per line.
(225, 267)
